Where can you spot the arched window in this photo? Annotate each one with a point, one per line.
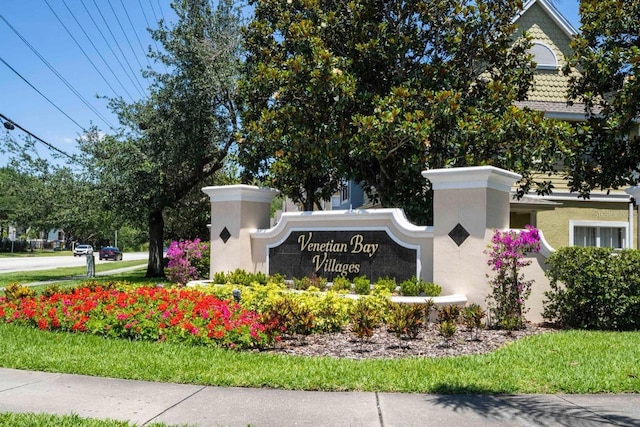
(543, 56)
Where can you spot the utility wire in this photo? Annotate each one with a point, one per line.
(51, 146)
(144, 52)
(41, 94)
(57, 73)
(99, 54)
(111, 49)
(161, 12)
(148, 28)
(125, 35)
(154, 11)
(120, 49)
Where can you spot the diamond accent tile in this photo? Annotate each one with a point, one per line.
(459, 234)
(224, 235)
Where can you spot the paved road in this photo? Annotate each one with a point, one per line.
(10, 265)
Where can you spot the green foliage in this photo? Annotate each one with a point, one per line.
(447, 328)
(178, 137)
(472, 316)
(16, 291)
(430, 289)
(406, 320)
(290, 315)
(242, 277)
(365, 318)
(410, 287)
(362, 285)
(604, 72)
(415, 287)
(387, 283)
(448, 313)
(308, 282)
(593, 288)
(341, 283)
(51, 290)
(357, 90)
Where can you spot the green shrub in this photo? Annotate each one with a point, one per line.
(448, 313)
(362, 285)
(430, 289)
(388, 283)
(409, 287)
(290, 316)
(447, 329)
(51, 290)
(593, 288)
(414, 287)
(365, 318)
(472, 316)
(341, 283)
(406, 320)
(15, 291)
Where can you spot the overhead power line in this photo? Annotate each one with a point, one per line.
(144, 52)
(125, 36)
(41, 94)
(120, 49)
(106, 63)
(50, 146)
(52, 68)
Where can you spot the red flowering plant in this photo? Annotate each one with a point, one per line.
(509, 289)
(145, 313)
(188, 260)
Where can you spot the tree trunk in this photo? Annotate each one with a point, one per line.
(155, 267)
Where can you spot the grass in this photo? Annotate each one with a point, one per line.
(562, 362)
(45, 420)
(35, 253)
(63, 273)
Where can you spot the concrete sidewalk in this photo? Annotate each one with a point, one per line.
(143, 402)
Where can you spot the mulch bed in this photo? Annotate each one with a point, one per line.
(384, 344)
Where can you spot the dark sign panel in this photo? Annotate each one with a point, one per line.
(329, 254)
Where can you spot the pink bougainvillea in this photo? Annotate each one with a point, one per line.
(509, 289)
(188, 260)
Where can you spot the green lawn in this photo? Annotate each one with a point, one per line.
(562, 362)
(46, 420)
(35, 253)
(68, 272)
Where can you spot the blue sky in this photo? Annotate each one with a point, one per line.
(36, 22)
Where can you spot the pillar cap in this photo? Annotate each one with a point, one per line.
(471, 177)
(634, 192)
(240, 193)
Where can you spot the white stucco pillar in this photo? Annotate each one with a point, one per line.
(468, 205)
(635, 193)
(236, 211)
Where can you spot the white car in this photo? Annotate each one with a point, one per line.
(82, 250)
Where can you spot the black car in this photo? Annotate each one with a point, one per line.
(110, 252)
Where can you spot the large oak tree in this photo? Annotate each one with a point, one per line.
(607, 57)
(377, 91)
(177, 138)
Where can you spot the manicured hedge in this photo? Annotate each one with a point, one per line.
(594, 288)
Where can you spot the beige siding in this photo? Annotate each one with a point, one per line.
(555, 223)
(550, 85)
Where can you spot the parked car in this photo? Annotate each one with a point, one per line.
(110, 252)
(80, 250)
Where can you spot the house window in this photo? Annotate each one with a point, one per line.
(610, 234)
(344, 192)
(544, 56)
